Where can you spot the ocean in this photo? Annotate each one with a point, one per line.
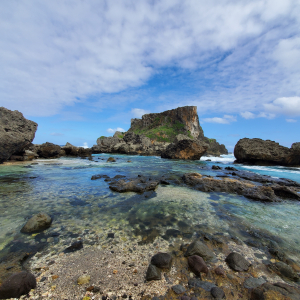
(88, 209)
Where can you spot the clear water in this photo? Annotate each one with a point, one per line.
(63, 188)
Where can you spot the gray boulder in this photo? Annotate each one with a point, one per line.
(237, 262)
(37, 223)
(153, 273)
(162, 260)
(16, 133)
(17, 285)
(200, 249)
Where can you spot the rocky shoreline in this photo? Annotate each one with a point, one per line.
(164, 270)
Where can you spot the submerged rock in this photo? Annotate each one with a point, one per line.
(138, 185)
(217, 293)
(285, 270)
(17, 285)
(74, 247)
(111, 159)
(275, 291)
(230, 185)
(38, 222)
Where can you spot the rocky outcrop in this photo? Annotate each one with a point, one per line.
(266, 152)
(16, 133)
(215, 148)
(166, 125)
(131, 143)
(152, 134)
(71, 150)
(49, 150)
(185, 148)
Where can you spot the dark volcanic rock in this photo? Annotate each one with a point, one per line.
(99, 176)
(185, 149)
(153, 273)
(217, 293)
(275, 291)
(17, 285)
(16, 133)
(230, 185)
(74, 247)
(266, 152)
(237, 262)
(285, 270)
(178, 289)
(206, 285)
(162, 260)
(48, 150)
(200, 249)
(37, 223)
(197, 265)
(138, 185)
(71, 150)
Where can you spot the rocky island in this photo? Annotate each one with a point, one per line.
(173, 133)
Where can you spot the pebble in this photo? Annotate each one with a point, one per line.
(178, 289)
(83, 279)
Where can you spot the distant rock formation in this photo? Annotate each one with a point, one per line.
(16, 133)
(153, 133)
(131, 143)
(215, 148)
(165, 126)
(266, 152)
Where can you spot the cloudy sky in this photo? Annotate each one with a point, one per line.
(82, 69)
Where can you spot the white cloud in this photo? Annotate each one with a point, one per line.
(225, 120)
(56, 53)
(289, 106)
(110, 130)
(247, 115)
(138, 112)
(291, 120)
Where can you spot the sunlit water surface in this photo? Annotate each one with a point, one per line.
(63, 188)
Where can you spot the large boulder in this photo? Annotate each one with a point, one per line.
(266, 152)
(17, 285)
(16, 133)
(185, 148)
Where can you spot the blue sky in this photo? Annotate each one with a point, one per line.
(83, 69)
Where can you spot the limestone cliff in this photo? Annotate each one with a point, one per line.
(163, 127)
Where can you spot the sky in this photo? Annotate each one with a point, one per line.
(82, 69)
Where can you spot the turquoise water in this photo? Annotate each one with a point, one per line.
(78, 205)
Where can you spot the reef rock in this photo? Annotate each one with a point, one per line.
(37, 223)
(16, 133)
(266, 152)
(49, 150)
(71, 150)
